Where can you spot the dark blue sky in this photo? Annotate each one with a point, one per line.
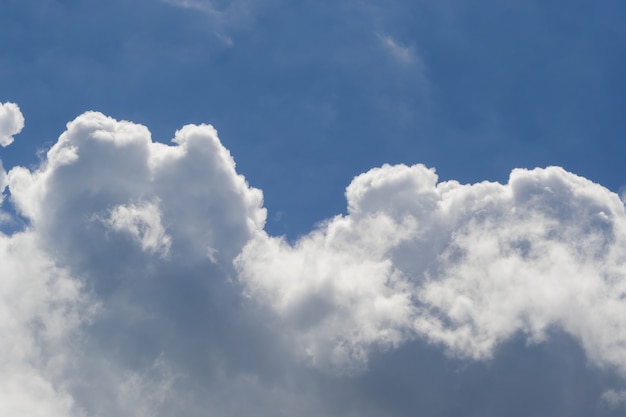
(307, 94)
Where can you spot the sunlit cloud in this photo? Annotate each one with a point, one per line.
(11, 122)
(145, 283)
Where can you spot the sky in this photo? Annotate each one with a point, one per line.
(280, 208)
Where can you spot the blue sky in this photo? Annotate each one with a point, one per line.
(307, 95)
(417, 299)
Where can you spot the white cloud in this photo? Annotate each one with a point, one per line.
(337, 299)
(11, 122)
(40, 307)
(467, 266)
(145, 284)
(133, 221)
(143, 222)
(102, 166)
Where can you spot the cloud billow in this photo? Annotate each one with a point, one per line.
(158, 292)
(464, 266)
(11, 122)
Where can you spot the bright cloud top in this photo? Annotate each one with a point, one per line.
(11, 122)
(192, 296)
(466, 266)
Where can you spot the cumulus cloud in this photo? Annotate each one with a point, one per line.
(134, 221)
(11, 122)
(464, 266)
(40, 307)
(145, 284)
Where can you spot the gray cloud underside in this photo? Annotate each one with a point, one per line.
(145, 285)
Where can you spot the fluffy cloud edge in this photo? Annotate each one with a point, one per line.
(462, 266)
(11, 122)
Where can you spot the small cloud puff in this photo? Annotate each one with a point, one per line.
(11, 122)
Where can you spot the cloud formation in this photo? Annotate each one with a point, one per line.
(41, 306)
(110, 205)
(145, 284)
(465, 266)
(11, 123)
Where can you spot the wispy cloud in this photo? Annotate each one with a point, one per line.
(401, 53)
(226, 19)
(204, 6)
